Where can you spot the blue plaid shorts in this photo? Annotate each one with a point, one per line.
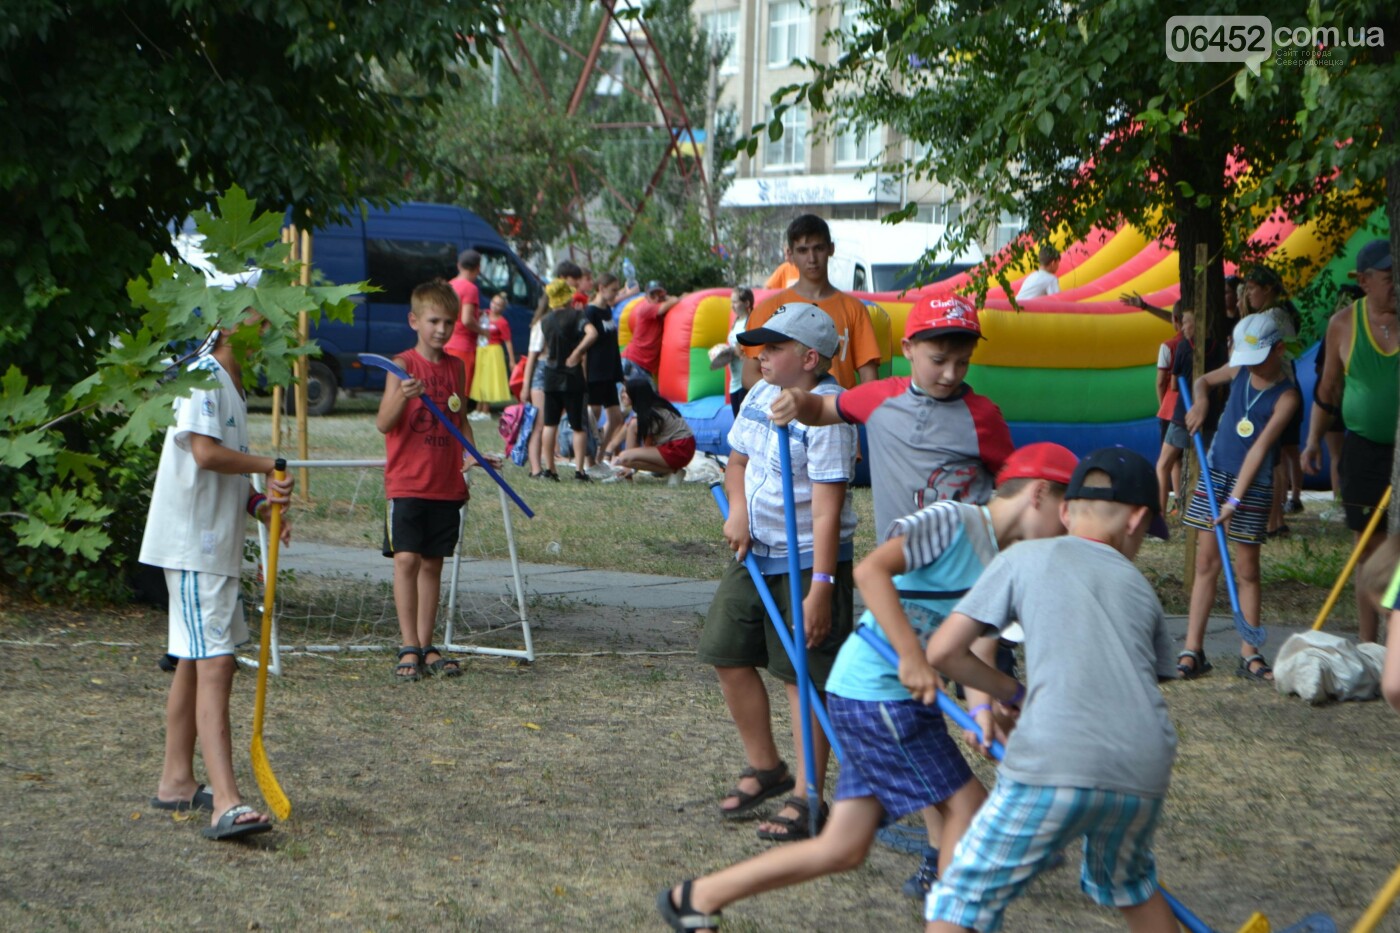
(897, 751)
(1018, 831)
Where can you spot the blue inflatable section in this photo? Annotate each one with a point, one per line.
(710, 420)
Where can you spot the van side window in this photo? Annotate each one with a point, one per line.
(498, 273)
(400, 266)
(858, 279)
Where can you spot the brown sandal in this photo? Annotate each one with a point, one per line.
(772, 782)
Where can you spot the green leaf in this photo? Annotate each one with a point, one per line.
(1045, 122)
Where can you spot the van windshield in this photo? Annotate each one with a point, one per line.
(894, 277)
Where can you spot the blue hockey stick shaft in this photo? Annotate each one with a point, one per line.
(389, 366)
(950, 706)
(799, 637)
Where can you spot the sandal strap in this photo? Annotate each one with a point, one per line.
(410, 649)
(692, 919)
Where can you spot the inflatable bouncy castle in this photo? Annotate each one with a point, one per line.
(1077, 368)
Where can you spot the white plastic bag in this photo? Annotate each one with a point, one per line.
(1321, 667)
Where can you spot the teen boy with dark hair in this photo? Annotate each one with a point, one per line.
(810, 249)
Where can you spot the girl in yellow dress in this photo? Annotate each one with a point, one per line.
(495, 357)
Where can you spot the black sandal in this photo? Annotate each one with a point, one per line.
(1262, 673)
(409, 671)
(1199, 667)
(684, 916)
(447, 667)
(795, 828)
(772, 782)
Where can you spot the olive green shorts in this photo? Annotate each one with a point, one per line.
(737, 632)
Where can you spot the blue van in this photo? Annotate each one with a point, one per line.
(398, 249)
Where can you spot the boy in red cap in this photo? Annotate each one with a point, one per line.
(930, 436)
(900, 758)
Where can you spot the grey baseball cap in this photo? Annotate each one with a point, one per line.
(800, 321)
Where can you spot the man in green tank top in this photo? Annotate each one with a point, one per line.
(1361, 380)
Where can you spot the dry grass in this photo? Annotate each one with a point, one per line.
(565, 794)
(440, 805)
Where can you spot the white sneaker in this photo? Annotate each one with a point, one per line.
(676, 478)
(601, 471)
(478, 416)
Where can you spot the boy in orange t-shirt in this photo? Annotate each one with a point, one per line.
(809, 248)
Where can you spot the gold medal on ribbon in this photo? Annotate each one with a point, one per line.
(454, 404)
(1245, 428)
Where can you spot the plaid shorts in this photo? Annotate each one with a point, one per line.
(897, 751)
(1018, 831)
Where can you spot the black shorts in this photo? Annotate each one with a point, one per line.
(1365, 469)
(1293, 430)
(427, 527)
(603, 393)
(571, 403)
(736, 399)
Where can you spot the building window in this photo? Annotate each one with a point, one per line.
(722, 29)
(790, 149)
(1009, 227)
(853, 20)
(787, 33)
(858, 145)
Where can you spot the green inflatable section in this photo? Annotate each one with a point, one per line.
(1073, 396)
(705, 381)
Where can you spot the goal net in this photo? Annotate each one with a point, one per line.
(345, 605)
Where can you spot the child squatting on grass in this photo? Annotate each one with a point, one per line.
(195, 532)
(900, 758)
(1263, 398)
(1091, 756)
(423, 477)
(796, 346)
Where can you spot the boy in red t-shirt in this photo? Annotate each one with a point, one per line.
(423, 478)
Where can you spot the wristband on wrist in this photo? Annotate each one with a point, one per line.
(1233, 501)
(255, 502)
(823, 578)
(980, 708)
(1016, 697)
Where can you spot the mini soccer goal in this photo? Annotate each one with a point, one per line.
(481, 610)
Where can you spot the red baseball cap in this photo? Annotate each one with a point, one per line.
(1040, 461)
(933, 317)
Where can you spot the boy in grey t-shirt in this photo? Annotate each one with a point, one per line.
(1091, 755)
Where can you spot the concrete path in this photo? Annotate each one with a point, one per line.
(655, 604)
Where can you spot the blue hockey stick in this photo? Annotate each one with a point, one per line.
(389, 366)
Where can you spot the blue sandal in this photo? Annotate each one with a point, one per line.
(1198, 667)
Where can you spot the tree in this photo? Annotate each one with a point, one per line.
(118, 119)
(1075, 118)
(516, 155)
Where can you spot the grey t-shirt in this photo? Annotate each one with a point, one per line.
(1096, 643)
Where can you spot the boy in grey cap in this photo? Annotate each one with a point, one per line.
(1091, 755)
(797, 344)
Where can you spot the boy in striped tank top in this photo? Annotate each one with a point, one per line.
(1263, 397)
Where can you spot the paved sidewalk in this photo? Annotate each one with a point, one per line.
(656, 602)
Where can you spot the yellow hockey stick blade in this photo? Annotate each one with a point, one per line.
(267, 781)
(1257, 923)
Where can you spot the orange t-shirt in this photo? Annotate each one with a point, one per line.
(783, 276)
(858, 345)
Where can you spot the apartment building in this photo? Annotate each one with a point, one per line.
(810, 167)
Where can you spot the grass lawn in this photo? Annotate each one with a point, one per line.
(564, 794)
